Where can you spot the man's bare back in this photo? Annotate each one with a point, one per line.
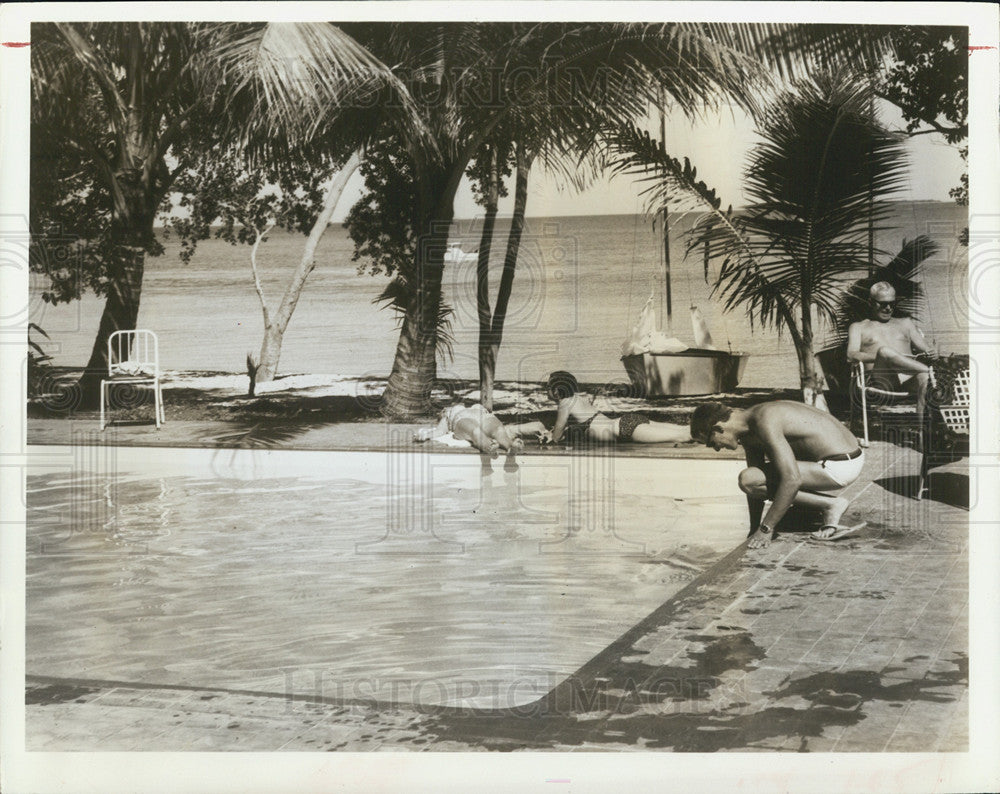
(813, 435)
(796, 454)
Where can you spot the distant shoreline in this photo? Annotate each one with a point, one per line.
(530, 217)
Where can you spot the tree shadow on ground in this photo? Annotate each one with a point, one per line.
(277, 418)
(669, 706)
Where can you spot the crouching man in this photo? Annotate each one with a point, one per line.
(795, 454)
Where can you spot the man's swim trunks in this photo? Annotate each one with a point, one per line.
(844, 469)
(628, 423)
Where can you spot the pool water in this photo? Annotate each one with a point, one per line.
(403, 577)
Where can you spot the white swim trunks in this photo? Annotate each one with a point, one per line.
(844, 469)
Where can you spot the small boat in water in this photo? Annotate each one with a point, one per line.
(455, 255)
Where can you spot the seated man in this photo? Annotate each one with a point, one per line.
(795, 454)
(886, 346)
(482, 429)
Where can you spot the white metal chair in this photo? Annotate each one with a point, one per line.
(867, 392)
(133, 358)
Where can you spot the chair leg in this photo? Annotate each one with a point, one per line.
(102, 406)
(864, 415)
(156, 403)
(922, 481)
(926, 441)
(850, 407)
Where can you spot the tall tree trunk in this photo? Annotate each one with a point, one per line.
(121, 307)
(810, 374)
(274, 327)
(408, 391)
(483, 281)
(488, 356)
(414, 368)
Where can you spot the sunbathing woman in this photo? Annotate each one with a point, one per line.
(578, 418)
(482, 429)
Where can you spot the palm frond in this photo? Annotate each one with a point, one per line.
(672, 184)
(821, 176)
(797, 51)
(293, 80)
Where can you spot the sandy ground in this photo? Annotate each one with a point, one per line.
(318, 411)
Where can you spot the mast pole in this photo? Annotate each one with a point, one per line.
(871, 193)
(664, 218)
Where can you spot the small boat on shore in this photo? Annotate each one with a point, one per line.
(692, 372)
(661, 366)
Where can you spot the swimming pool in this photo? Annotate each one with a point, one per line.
(400, 577)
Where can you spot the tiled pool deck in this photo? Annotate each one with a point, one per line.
(860, 645)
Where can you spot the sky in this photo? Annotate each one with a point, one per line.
(717, 146)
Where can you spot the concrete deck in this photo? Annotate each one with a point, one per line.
(859, 645)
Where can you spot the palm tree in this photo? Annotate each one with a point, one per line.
(487, 172)
(823, 170)
(544, 133)
(110, 102)
(465, 80)
(119, 110)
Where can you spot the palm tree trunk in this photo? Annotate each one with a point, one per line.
(408, 391)
(486, 370)
(414, 368)
(488, 361)
(809, 374)
(121, 308)
(274, 329)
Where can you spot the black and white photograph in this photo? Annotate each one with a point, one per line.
(526, 380)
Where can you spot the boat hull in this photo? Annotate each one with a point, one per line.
(692, 372)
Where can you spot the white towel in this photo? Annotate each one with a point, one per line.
(449, 440)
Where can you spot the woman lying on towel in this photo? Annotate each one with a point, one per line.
(482, 429)
(579, 419)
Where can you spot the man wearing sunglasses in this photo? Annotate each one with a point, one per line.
(889, 347)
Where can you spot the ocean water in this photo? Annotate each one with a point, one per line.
(580, 284)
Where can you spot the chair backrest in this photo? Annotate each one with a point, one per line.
(956, 415)
(961, 387)
(133, 353)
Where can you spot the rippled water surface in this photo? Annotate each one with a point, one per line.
(412, 577)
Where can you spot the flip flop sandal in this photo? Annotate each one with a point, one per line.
(839, 531)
